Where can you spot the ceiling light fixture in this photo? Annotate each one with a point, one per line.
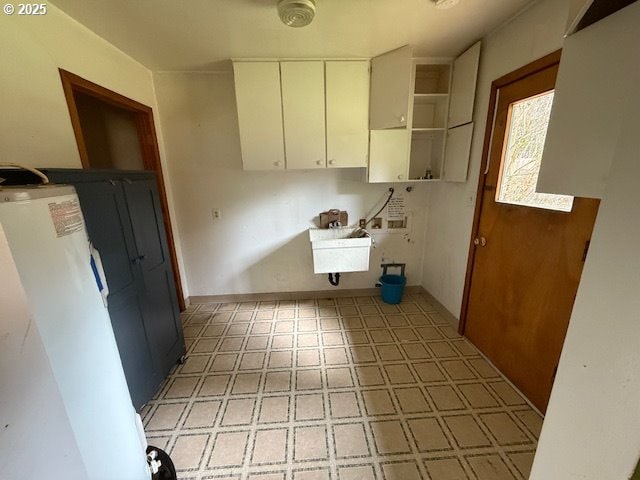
(296, 13)
(445, 4)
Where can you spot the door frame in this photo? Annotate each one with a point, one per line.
(143, 117)
(533, 67)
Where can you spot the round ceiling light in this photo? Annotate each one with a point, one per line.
(444, 4)
(296, 13)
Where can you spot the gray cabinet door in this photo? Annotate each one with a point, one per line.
(105, 211)
(160, 302)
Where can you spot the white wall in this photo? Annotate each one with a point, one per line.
(592, 427)
(261, 242)
(35, 128)
(533, 34)
(33, 420)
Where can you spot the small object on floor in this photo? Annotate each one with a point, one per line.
(392, 286)
(166, 470)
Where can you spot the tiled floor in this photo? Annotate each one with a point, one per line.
(341, 389)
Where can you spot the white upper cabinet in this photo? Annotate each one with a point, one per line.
(599, 71)
(391, 89)
(259, 115)
(347, 102)
(463, 87)
(303, 109)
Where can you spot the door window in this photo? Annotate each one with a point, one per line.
(527, 123)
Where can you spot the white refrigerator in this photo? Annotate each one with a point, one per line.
(65, 409)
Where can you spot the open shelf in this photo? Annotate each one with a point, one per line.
(432, 78)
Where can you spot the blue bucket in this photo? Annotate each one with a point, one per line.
(392, 288)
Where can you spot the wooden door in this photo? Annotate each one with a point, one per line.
(347, 100)
(259, 105)
(526, 258)
(303, 113)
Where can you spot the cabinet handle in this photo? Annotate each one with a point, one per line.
(128, 181)
(112, 182)
(278, 163)
(137, 259)
(400, 177)
(332, 162)
(319, 162)
(403, 118)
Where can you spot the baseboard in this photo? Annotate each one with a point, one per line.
(302, 295)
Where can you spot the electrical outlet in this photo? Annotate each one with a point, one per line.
(216, 214)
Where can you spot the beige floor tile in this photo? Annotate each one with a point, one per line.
(261, 328)
(328, 324)
(308, 325)
(281, 359)
(332, 339)
(531, 420)
(278, 381)
(213, 331)
(257, 342)
(310, 443)
(369, 376)
(307, 313)
(188, 450)
(484, 368)
(282, 341)
(522, 461)
(309, 379)
(429, 372)
(228, 449)
(327, 311)
(394, 321)
(478, 395)
(308, 358)
(214, 385)
(195, 364)
(442, 350)
(363, 472)
(339, 377)
(490, 467)
(202, 414)
(283, 326)
(504, 429)
(246, 383)
(309, 407)
(265, 315)
(458, 370)
(284, 314)
(373, 320)
(252, 361)
(344, 404)
(305, 340)
(466, 431)
(389, 353)
(274, 410)
(192, 331)
(231, 344)
(428, 435)
(266, 476)
(335, 356)
(270, 447)
(182, 387)
(398, 374)
(381, 335)
(350, 440)
(357, 337)
(389, 437)
(508, 395)
(166, 416)
(415, 351)
(238, 329)
(406, 335)
(445, 397)
(418, 320)
(238, 412)
(412, 400)
(401, 471)
(362, 354)
(378, 402)
(223, 362)
(445, 469)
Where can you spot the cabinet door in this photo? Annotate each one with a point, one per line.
(303, 111)
(160, 301)
(389, 156)
(390, 89)
(599, 71)
(105, 212)
(347, 103)
(259, 115)
(463, 87)
(456, 157)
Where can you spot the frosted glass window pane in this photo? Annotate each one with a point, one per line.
(526, 132)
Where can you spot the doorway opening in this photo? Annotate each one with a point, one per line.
(118, 133)
(527, 248)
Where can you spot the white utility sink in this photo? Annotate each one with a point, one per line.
(335, 252)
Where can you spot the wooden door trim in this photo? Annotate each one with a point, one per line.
(529, 69)
(143, 115)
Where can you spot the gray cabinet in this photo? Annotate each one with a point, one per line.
(124, 221)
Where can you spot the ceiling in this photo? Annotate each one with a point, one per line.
(204, 34)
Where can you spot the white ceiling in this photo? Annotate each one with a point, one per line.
(204, 34)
